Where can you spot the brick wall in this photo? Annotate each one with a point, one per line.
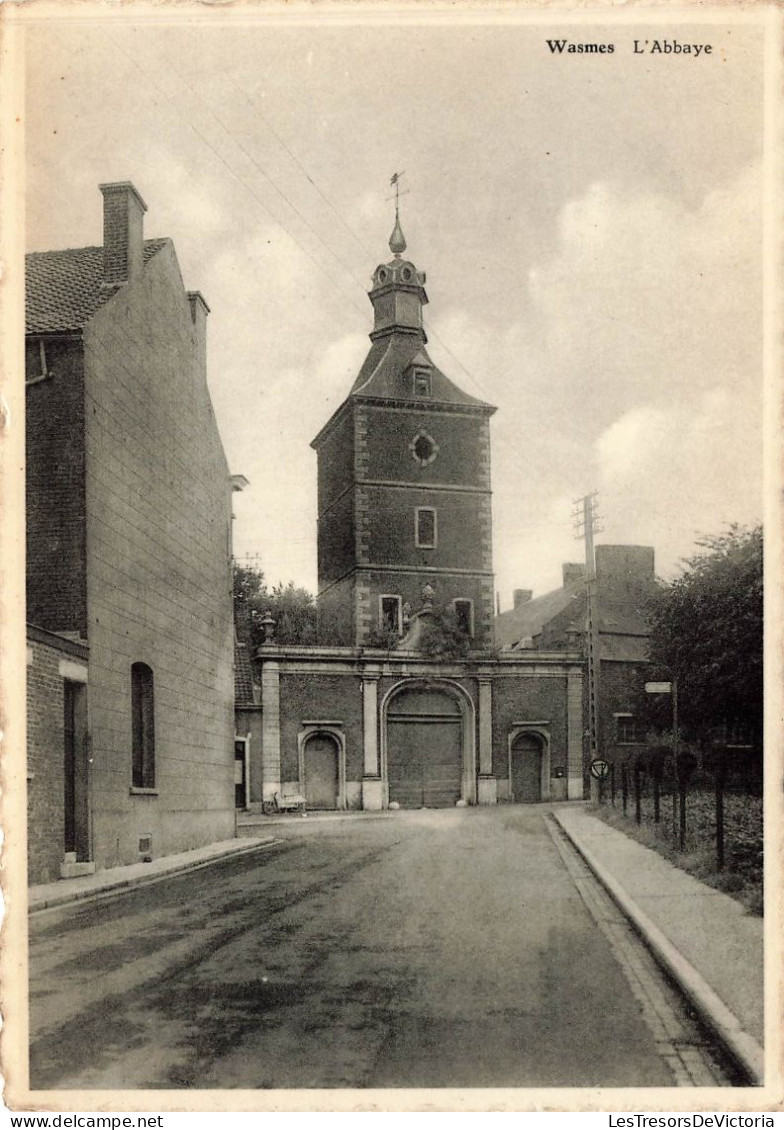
(321, 697)
(448, 587)
(528, 698)
(461, 438)
(54, 424)
(45, 754)
(158, 581)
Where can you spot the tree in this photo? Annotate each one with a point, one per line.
(706, 632)
(442, 636)
(292, 608)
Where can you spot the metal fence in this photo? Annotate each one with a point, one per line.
(698, 799)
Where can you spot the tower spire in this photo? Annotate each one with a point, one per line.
(397, 241)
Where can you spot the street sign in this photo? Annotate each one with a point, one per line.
(658, 688)
(600, 768)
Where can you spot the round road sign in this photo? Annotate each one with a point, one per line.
(600, 768)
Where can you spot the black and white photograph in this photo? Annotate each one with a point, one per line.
(386, 470)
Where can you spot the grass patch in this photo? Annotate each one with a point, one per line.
(741, 878)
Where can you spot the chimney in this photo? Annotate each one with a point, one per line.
(572, 574)
(521, 596)
(123, 236)
(199, 312)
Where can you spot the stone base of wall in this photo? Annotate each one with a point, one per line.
(372, 794)
(487, 791)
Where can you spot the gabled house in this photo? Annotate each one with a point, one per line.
(128, 556)
(556, 620)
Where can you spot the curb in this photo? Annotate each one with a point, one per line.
(117, 886)
(742, 1048)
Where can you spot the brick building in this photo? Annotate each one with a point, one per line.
(374, 717)
(128, 554)
(625, 582)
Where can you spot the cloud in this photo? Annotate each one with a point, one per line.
(667, 475)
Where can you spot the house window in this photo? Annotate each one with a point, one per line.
(143, 727)
(422, 385)
(425, 521)
(390, 613)
(629, 730)
(464, 614)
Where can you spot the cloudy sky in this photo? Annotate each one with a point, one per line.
(590, 227)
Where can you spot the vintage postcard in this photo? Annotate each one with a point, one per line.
(391, 433)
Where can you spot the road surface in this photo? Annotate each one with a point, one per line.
(452, 948)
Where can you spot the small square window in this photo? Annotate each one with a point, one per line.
(425, 527)
(630, 730)
(464, 614)
(422, 385)
(391, 616)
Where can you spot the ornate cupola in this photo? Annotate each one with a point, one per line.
(404, 482)
(398, 293)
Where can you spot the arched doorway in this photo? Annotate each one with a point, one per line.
(321, 770)
(525, 768)
(425, 763)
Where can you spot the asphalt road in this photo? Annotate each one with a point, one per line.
(456, 948)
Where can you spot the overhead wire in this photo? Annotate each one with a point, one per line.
(237, 176)
(304, 171)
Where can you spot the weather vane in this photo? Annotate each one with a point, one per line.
(397, 242)
(396, 182)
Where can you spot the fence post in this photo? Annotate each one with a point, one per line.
(612, 783)
(686, 765)
(682, 799)
(720, 779)
(637, 796)
(624, 787)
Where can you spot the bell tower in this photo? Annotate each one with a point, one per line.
(404, 497)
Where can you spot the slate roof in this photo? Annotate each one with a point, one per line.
(385, 373)
(243, 678)
(63, 288)
(528, 619)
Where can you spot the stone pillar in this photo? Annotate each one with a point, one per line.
(487, 790)
(270, 729)
(574, 728)
(372, 796)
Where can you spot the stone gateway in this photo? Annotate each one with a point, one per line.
(405, 700)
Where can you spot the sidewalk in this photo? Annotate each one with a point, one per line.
(63, 891)
(705, 940)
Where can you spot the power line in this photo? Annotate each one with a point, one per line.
(237, 176)
(296, 210)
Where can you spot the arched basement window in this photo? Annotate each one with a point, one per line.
(143, 721)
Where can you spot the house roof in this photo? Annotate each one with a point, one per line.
(243, 677)
(63, 289)
(528, 619)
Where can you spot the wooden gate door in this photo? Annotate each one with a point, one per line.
(321, 771)
(526, 769)
(424, 750)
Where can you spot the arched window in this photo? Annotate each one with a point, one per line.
(143, 726)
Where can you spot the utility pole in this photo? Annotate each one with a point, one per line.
(586, 525)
